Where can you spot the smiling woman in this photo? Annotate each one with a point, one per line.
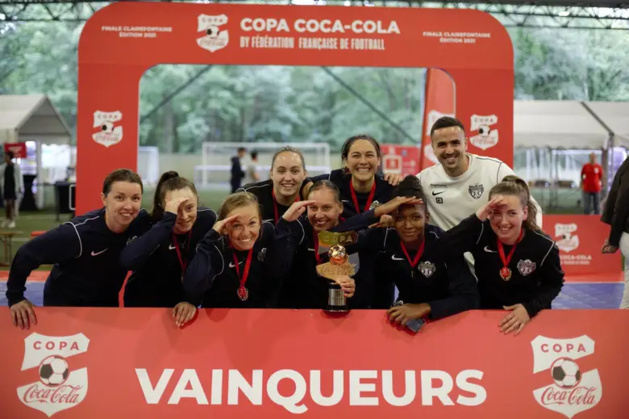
(238, 262)
(360, 186)
(159, 257)
(85, 252)
(517, 264)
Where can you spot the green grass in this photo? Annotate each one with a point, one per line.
(46, 219)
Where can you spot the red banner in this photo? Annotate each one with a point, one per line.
(403, 160)
(439, 101)
(131, 363)
(18, 149)
(579, 239)
(473, 47)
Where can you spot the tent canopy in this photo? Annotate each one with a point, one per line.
(570, 124)
(31, 118)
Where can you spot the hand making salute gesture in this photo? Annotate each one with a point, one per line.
(430, 286)
(85, 252)
(238, 261)
(517, 265)
(360, 186)
(304, 288)
(159, 257)
(276, 194)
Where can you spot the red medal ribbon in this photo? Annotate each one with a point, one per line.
(242, 291)
(275, 212)
(505, 272)
(183, 263)
(369, 198)
(415, 260)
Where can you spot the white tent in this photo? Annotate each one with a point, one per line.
(32, 118)
(556, 125)
(552, 139)
(615, 116)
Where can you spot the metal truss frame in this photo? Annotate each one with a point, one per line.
(602, 14)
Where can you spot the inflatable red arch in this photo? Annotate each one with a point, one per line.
(121, 41)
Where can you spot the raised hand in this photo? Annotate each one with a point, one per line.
(174, 204)
(494, 203)
(222, 226)
(296, 210)
(392, 205)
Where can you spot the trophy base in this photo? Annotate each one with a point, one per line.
(337, 302)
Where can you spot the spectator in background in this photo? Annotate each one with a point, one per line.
(252, 169)
(591, 182)
(616, 213)
(12, 187)
(236, 170)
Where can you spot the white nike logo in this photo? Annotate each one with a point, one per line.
(394, 258)
(231, 264)
(98, 253)
(171, 247)
(488, 250)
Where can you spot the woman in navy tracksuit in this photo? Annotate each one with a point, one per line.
(85, 252)
(361, 189)
(237, 262)
(429, 285)
(159, 257)
(517, 265)
(304, 288)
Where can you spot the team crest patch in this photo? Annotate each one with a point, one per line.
(526, 267)
(214, 36)
(262, 254)
(109, 128)
(476, 190)
(427, 268)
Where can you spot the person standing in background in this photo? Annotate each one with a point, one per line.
(236, 170)
(252, 169)
(12, 186)
(591, 182)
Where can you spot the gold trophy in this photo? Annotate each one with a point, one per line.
(338, 265)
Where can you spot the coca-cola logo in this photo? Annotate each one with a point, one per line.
(575, 396)
(571, 390)
(60, 387)
(62, 394)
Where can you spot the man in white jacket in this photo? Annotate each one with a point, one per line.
(12, 187)
(460, 184)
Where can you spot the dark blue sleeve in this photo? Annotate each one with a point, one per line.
(464, 236)
(357, 222)
(206, 263)
(462, 290)
(371, 239)
(551, 281)
(285, 239)
(58, 245)
(138, 252)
